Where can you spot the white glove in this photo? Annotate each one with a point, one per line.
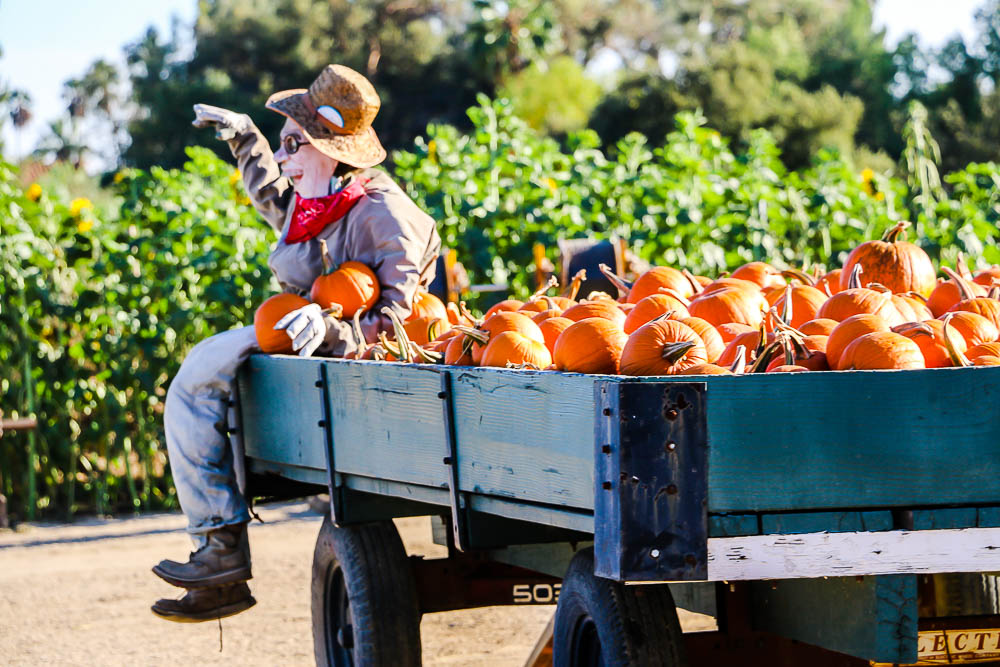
(228, 124)
(306, 327)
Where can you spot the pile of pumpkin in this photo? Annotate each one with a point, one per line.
(885, 309)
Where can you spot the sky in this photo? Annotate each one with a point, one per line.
(46, 42)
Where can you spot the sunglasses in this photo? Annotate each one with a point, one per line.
(291, 144)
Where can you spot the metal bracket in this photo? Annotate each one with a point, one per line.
(459, 530)
(336, 502)
(651, 475)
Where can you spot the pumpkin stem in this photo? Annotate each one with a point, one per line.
(402, 339)
(598, 294)
(359, 336)
(963, 266)
(764, 358)
(551, 303)
(892, 235)
(616, 280)
(695, 285)
(477, 335)
(855, 279)
(963, 285)
(553, 282)
(761, 341)
(467, 315)
(335, 309)
(324, 254)
(379, 353)
(574, 285)
(878, 287)
(427, 356)
(957, 358)
(786, 310)
(917, 295)
(801, 276)
(739, 365)
(675, 294)
(994, 292)
(826, 288)
(395, 349)
(675, 351)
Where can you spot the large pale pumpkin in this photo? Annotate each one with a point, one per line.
(267, 315)
(899, 265)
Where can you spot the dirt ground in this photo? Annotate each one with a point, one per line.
(79, 594)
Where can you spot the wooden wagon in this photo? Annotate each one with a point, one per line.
(823, 518)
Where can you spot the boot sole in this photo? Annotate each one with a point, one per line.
(202, 616)
(235, 576)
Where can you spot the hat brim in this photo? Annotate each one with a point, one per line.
(358, 150)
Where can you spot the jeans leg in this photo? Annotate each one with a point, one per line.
(195, 420)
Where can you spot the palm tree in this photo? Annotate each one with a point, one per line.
(62, 143)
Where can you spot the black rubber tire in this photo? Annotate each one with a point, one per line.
(604, 622)
(361, 579)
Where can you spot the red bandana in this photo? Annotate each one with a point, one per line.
(311, 216)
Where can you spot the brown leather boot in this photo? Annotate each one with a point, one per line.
(206, 604)
(225, 559)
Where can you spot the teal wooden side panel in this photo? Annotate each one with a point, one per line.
(526, 435)
(872, 618)
(732, 525)
(829, 522)
(781, 441)
(988, 517)
(388, 421)
(281, 410)
(952, 517)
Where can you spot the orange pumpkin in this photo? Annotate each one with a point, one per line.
(750, 342)
(353, 286)
(786, 368)
(609, 310)
(980, 305)
(899, 265)
(507, 305)
(806, 302)
(988, 276)
(459, 352)
(912, 307)
(511, 347)
(423, 330)
(723, 283)
(821, 326)
(708, 334)
(657, 277)
(269, 340)
(949, 292)
(982, 350)
(929, 337)
(593, 345)
(847, 332)
(730, 305)
(663, 347)
(987, 360)
(881, 350)
(506, 321)
(974, 328)
(859, 301)
(551, 329)
(650, 308)
(731, 330)
(426, 304)
(830, 283)
(706, 369)
(761, 273)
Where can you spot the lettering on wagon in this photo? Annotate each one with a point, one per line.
(536, 594)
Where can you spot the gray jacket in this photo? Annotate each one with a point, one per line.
(385, 231)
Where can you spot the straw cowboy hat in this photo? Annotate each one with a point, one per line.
(336, 114)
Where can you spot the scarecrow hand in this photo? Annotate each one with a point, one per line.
(228, 124)
(306, 327)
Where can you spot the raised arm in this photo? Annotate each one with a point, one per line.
(270, 192)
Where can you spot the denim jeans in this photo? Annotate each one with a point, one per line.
(194, 419)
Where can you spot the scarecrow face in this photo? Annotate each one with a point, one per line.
(309, 170)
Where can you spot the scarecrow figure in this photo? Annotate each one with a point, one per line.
(318, 186)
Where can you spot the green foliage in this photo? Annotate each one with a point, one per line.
(99, 307)
(556, 99)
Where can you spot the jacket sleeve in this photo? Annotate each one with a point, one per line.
(270, 192)
(405, 243)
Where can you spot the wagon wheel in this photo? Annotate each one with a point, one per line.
(604, 622)
(364, 599)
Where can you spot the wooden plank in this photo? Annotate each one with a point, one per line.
(526, 435)
(842, 554)
(541, 514)
(732, 525)
(873, 618)
(281, 410)
(988, 517)
(937, 448)
(952, 517)
(306, 475)
(830, 522)
(387, 421)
